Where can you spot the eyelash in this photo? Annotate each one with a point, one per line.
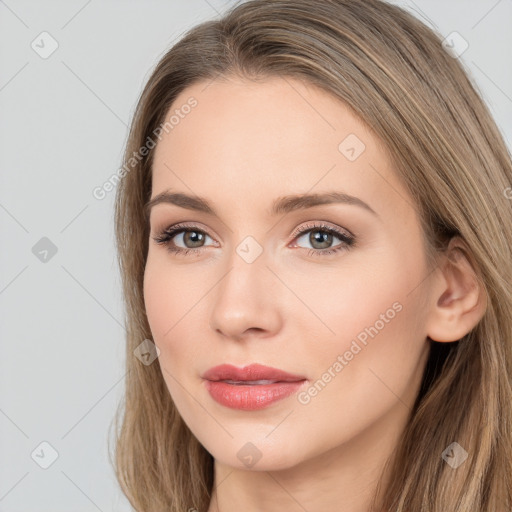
(165, 237)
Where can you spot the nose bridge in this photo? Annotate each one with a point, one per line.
(248, 272)
(244, 299)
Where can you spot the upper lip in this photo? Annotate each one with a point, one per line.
(252, 372)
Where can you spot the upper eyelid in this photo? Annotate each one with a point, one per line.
(322, 224)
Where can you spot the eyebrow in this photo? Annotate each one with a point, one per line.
(280, 205)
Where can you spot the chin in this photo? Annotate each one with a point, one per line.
(257, 455)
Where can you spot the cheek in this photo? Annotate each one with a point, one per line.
(173, 307)
(159, 299)
(378, 348)
(370, 309)
(168, 295)
(364, 291)
(377, 290)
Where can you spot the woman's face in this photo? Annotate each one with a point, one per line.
(341, 307)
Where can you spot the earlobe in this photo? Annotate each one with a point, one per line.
(459, 299)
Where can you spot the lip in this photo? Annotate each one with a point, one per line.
(249, 373)
(237, 388)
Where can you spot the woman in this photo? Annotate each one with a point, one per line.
(369, 369)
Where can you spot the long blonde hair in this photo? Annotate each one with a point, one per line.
(394, 73)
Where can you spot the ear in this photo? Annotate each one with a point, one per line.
(458, 298)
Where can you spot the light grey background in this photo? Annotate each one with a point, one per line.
(63, 124)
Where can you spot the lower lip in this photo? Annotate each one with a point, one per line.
(250, 397)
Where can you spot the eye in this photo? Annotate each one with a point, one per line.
(192, 237)
(320, 236)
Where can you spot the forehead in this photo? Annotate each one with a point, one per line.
(246, 141)
(236, 119)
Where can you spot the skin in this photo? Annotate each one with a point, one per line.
(241, 147)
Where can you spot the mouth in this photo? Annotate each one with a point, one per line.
(249, 382)
(251, 388)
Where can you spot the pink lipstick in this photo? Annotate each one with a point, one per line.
(250, 388)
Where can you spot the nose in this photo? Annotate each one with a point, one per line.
(245, 304)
